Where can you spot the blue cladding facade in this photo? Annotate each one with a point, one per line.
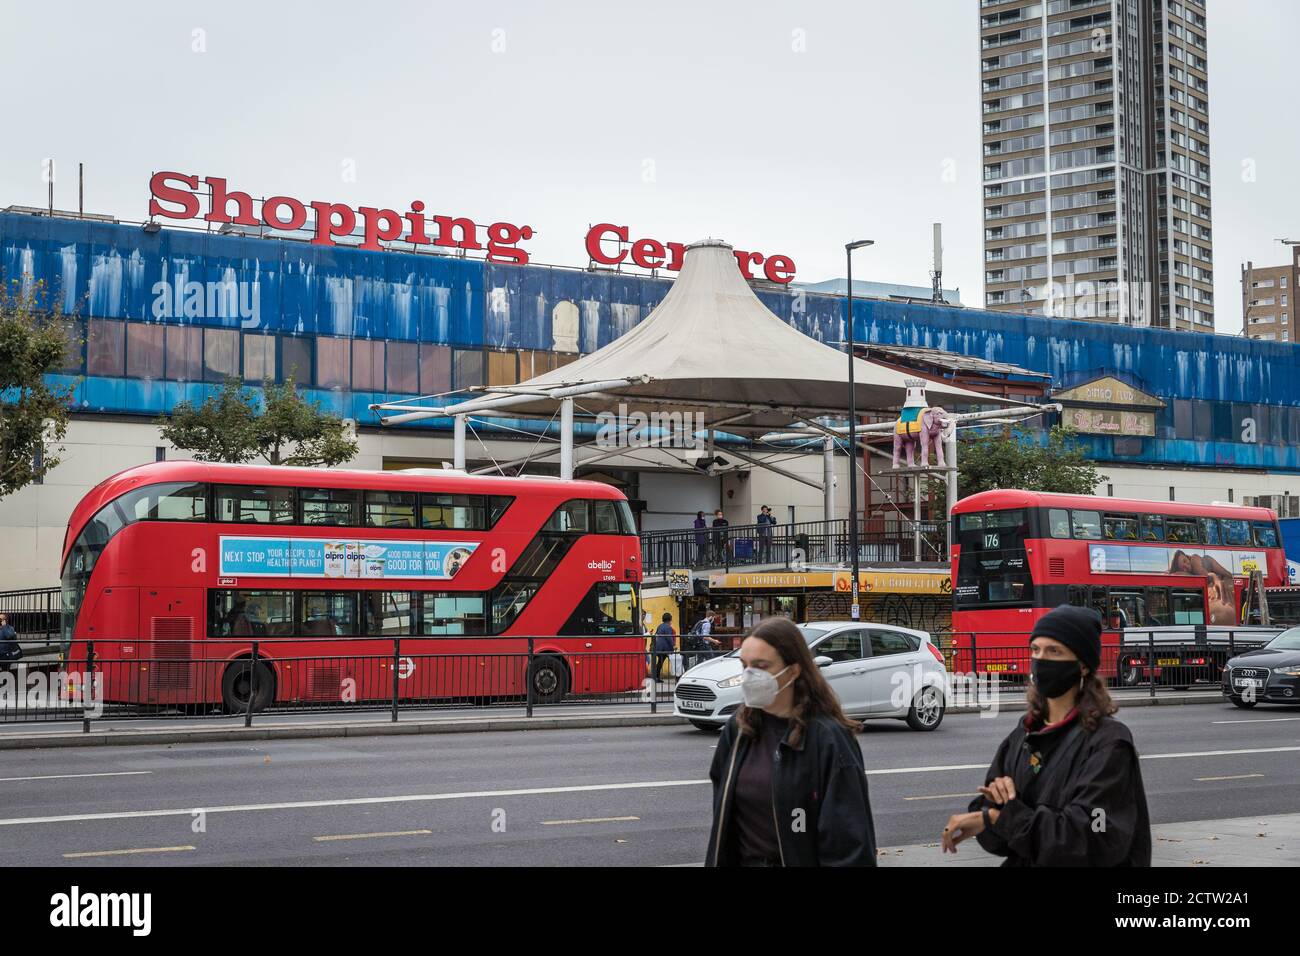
(361, 327)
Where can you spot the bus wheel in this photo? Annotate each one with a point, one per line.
(549, 679)
(1130, 674)
(235, 684)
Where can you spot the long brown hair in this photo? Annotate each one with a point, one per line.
(1093, 703)
(812, 695)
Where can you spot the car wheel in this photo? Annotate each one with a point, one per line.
(1243, 704)
(549, 679)
(706, 727)
(926, 712)
(235, 685)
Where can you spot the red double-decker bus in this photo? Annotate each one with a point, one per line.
(174, 569)
(1140, 564)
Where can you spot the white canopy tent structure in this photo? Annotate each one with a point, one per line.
(711, 351)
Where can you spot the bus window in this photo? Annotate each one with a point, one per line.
(607, 518)
(453, 512)
(1087, 524)
(625, 518)
(509, 600)
(992, 568)
(607, 608)
(270, 505)
(388, 613)
(1181, 530)
(1058, 522)
(250, 614)
(329, 506)
(1100, 604)
(1157, 608)
(327, 613)
(1188, 607)
(1235, 531)
(390, 509)
(1210, 530)
(1265, 534)
(166, 502)
(1153, 528)
(1077, 595)
(497, 505)
(1130, 605)
(1120, 527)
(572, 516)
(452, 614)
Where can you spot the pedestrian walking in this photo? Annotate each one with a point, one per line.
(766, 522)
(719, 537)
(789, 785)
(701, 539)
(665, 637)
(10, 650)
(1065, 788)
(700, 639)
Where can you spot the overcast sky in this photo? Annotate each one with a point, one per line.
(781, 127)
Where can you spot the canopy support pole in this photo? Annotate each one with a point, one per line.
(950, 458)
(458, 443)
(566, 439)
(828, 479)
(916, 517)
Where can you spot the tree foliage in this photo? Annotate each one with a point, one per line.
(1019, 460)
(280, 427)
(34, 343)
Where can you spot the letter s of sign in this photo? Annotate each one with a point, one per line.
(159, 190)
(200, 563)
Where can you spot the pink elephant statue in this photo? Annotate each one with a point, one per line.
(925, 430)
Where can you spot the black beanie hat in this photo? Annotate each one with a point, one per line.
(1078, 628)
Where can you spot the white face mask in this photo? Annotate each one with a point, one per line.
(760, 688)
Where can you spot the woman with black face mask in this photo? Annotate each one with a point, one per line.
(1064, 788)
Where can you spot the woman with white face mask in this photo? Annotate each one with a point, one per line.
(789, 785)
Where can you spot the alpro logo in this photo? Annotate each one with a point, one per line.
(600, 566)
(75, 909)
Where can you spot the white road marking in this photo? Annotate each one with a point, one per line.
(556, 823)
(72, 776)
(370, 836)
(1256, 720)
(1236, 776)
(532, 791)
(147, 849)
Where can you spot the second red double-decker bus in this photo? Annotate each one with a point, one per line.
(1140, 564)
(174, 569)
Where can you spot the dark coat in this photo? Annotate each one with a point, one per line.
(824, 776)
(1055, 820)
(10, 649)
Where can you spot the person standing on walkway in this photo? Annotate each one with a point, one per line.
(789, 784)
(766, 522)
(701, 539)
(719, 537)
(663, 644)
(10, 650)
(1065, 788)
(701, 639)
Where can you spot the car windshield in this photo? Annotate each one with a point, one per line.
(1288, 640)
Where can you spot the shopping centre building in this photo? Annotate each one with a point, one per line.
(165, 313)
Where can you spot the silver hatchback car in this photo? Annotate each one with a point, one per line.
(876, 670)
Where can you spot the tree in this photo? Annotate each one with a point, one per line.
(282, 428)
(34, 343)
(1018, 460)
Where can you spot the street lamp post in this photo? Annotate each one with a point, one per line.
(854, 611)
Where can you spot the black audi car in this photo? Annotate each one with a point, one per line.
(1269, 675)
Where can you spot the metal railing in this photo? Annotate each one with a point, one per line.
(784, 545)
(159, 678)
(35, 614)
(1145, 660)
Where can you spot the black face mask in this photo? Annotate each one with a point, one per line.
(1054, 678)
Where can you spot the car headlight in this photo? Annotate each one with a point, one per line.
(1288, 671)
(732, 681)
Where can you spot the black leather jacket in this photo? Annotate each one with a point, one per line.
(823, 777)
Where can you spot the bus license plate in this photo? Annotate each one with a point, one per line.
(693, 705)
(1167, 662)
(995, 668)
(1247, 682)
